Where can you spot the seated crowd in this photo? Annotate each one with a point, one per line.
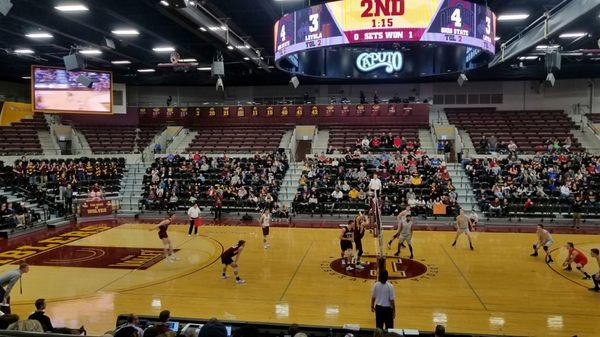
(340, 184)
(231, 183)
(547, 184)
(59, 181)
(492, 145)
(383, 143)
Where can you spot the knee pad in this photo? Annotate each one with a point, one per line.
(545, 248)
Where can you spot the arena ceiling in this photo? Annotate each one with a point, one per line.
(251, 20)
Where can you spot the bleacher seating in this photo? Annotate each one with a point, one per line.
(593, 118)
(522, 127)
(237, 139)
(342, 138)
(242, 183)
(542, 180)
(42, 178)
(109, 139)
(22, 137)
(418, 182)
(146, 134)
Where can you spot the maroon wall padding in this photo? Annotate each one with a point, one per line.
(131, 118)
(361, 114)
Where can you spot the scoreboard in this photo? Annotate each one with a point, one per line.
(375, 21)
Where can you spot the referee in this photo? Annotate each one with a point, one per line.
(194, 213)
(382, 302)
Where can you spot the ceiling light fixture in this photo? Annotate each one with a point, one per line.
(531, 57)
(545, 47)
(72, 7)
(24, 51)
(165, 49)
(202, 29)
(39, 35)
(26, 77)
(230, 47)
(90, 51)
(164, 3)
(572, 35)
(146, 70)
(121, 62)
(513, 17)
(126, 32)
(204, 68)
(497, 38)
(223, 27)
(246, 58)
(188, 60)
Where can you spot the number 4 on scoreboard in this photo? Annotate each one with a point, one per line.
(282, 33)
(456, 18)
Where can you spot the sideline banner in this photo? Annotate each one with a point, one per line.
(92, 208)
(14, 112)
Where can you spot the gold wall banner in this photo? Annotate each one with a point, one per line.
(13, 112)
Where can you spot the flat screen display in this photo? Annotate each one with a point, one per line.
(58, 91)
(347, 22)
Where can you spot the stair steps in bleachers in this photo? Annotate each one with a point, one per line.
(467, 142)
(132, 186)
(321, 142)
(289, 185)
(464, 189)
(48, 143)
(427, 144)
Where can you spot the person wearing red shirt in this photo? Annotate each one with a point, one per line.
(376, 142)
(397, 142)
(576, 256)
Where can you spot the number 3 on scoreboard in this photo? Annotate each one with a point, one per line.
(488, 25)
(456, 18)
(314, 23)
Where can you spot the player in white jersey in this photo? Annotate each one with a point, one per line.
(265, 222)
(404, 233)
(545, 241)
(462, 227)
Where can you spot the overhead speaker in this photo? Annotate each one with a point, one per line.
(178, 3)
(295, 82)
(550, 79)
(220, 86)
(85, 81)
(553, 61)
(5, 6)
(109, 43)
(218, 69)
(74, 62)
(462, 79)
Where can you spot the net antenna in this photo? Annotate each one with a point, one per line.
(376, 212)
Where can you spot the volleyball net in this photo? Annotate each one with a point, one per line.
(375, 213)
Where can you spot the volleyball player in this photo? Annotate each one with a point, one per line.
(162, 227)
(265, 222)
(462, 227)
(577, 257)
(404, 233)
(360, 222)
(544, 240)
(227, 259)
(596, 277)
(346, 238)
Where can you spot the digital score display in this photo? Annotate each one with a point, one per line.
(373, 21)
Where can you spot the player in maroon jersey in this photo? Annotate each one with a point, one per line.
(227, 258)
(162, 227)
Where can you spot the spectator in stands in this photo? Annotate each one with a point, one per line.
(363, 99)
(495, 207)
(40, 316)
(376, 98)
(492, 143)
(440, 331)
(69, 199)
(133, 321)
(162, 327)
(7, 320)
(157, 148)
(213, 328)
(28, 325)
(128, 331)
(337, 195)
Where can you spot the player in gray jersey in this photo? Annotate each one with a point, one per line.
(545, 241)
(596, 277)
(462, 227)
(404, 233)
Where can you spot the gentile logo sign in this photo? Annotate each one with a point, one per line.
(391, 60)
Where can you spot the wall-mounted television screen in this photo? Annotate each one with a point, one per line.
(57, 90)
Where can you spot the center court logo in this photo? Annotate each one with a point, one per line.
(392, 61)
(399, 269)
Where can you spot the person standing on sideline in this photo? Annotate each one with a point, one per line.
(462, 227)
(265, 222)
(596, 277)
(382, 302)
(545, 241)
(7, 282)
(194, 215)
(375, 184)
(69, 199)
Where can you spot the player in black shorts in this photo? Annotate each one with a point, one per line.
(346, 239)
(360, 222)
(227, 258)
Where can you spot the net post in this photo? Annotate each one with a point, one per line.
(381, 265)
